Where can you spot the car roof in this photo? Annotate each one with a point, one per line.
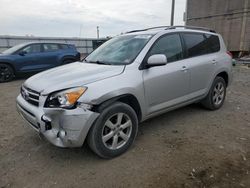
(28, 43)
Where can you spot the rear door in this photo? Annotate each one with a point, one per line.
(201, 58)
(51, 54)
(166, 85)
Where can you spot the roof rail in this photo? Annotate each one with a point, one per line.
(158, 27)
(192, 27)
(133, 31)
(174, 27)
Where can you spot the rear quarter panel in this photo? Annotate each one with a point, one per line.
(68, 53)
(224, 63)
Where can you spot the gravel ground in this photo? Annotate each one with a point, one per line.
(189, 147)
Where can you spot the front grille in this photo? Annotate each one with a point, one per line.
(30, 95)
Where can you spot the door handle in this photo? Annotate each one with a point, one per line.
(184, 69)
(214, 62)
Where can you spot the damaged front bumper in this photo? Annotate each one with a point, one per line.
(61, 127)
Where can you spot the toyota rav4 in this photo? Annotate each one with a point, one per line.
(125, 81)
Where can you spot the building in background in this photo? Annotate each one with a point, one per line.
(230, 18)
(83, 45)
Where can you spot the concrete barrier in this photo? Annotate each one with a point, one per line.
(83, 45)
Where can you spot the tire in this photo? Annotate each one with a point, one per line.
(216, 95)
(109, 137)
(6, 73)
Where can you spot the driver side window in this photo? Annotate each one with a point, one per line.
(169, 45)
(34, 48)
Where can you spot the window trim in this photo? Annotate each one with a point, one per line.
(144, 61)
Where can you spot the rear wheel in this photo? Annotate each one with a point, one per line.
(6, 73)
(114, 131)
(216, 96)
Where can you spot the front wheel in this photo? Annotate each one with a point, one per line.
(114, 131)
(216, 96)
(6, 73)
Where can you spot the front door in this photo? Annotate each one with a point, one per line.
(28, 59)
(167, 85)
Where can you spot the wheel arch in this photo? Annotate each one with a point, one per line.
(224, 75)
(10, 64)
(128, 99)
(68, 57)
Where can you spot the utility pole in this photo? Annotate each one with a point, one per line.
(97, 30)
(172, 13)
(185, 17)
(80, 33)
(243, 26)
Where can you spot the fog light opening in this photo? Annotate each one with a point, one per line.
(47, 122)
(61, 134)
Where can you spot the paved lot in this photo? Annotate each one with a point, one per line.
(189, 147)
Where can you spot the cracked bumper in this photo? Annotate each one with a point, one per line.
(61, 127)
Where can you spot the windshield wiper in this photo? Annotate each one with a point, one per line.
(99, 62)
(85, 60)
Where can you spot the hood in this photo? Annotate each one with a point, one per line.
(4, 56)
(71, 75)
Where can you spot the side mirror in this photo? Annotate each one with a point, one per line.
(22, 53)
(157, 60)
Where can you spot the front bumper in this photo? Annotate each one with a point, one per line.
(61, 127)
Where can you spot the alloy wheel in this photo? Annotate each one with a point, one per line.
(116, 131)
(6, 73)
(218, 93)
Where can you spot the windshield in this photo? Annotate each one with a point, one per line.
(13, 49)
(119, 51)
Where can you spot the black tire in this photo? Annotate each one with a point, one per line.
(95, 136)
(209, 101)
(6, 73)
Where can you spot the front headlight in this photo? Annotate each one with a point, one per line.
(65, 99)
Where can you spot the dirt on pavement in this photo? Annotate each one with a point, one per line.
(189, 147)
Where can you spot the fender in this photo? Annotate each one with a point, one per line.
(67, 57)
(8, 62)
(113, 96)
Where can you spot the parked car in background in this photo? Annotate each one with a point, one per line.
(35, 57)
(128, 79)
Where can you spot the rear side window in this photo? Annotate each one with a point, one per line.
(50, 47)
(200, 44)
(213, 43)
(71, 46)
(169, 45)
(64, 46)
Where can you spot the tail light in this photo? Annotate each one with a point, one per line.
(230, 54)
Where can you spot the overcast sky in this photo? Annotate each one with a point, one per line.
(79, 18)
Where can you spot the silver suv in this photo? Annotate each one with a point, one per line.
(127, 80)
